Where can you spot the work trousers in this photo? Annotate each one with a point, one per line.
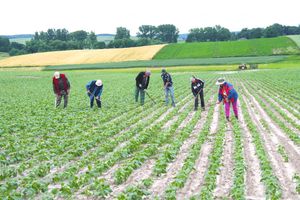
(141, 92)
(64, 95)
(227, 108)
(169, 90)
(201, 100)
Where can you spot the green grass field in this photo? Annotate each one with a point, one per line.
(173, 62)
(296, 39)
(255, 47)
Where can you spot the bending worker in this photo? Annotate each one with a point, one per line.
(197, 86)
(61, 88)
(94, 91)
(228, 95)
(142, 82)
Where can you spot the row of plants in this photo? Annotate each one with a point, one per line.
(271, 182)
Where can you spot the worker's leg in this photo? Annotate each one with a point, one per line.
(227, 110)
(202, 100)
(98, 103)
(66, 98)
(58, 100)
(137, 90)
(142, 93)
(196, 102)
(91, 100)
(235, 109)
(167, 95)
(171, 89)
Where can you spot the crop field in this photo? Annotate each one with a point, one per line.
(253, 47)
(82, 56)
(126, 151)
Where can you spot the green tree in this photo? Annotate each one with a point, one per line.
(167, 33)
(91, 41)
(4, 44)
(274, 30)
(122, 33)
(147, 31)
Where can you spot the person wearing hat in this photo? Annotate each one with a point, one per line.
(94, 91)
(142, 82)
(197, 86)
(168, 86)
(228, 95)
(61, 88)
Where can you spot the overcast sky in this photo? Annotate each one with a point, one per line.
(28, 16)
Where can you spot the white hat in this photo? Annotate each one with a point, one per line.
(56, 75)
(148, 73)
(98, 82)
(220, 81)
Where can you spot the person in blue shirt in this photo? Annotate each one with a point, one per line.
(94, 91)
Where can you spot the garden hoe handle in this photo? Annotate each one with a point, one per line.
(150, 97)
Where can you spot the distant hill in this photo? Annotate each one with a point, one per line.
(241, 48)
(18, 36)
(106, 35)
(182, 37)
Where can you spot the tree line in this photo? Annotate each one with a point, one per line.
(62, 39)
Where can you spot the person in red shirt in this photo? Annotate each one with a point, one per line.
(61, 88)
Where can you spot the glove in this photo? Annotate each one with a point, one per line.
(140, 85)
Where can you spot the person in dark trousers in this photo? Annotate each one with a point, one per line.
(142, 82)
(61, 88)
(197, 86)
(228, 95)
(94, 91)
(168, 86)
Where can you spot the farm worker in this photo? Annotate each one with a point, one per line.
(61, 88)
(197, 86)
(142, 82)
(94, 90)
(228, 95)
(168, 86)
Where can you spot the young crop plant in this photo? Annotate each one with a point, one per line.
(283, 153)
(99, 188)
(297, 180)
(238, 189)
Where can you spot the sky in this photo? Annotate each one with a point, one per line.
(29, 16)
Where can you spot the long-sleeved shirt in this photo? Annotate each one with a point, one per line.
(94, 89)
(197, 86)
(142, 81)
(227, 91)
(167, 79)
(61, 84)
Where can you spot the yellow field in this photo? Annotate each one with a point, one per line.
(82, 56)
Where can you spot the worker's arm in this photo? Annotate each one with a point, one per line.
(220, 97)
(88, 87)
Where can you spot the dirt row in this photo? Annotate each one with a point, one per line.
(272, 137)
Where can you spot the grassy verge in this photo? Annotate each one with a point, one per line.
(174, 62)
